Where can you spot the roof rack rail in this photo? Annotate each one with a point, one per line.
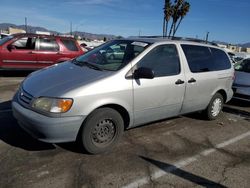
(182, 38)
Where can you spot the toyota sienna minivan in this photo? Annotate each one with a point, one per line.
(93, 98)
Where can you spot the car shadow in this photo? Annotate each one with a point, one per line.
(196, 115)
(12, 73)
(238, 107)
(239, 103)
(12, 134)
(74, 147)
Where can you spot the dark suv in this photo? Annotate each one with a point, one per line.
(33, 51)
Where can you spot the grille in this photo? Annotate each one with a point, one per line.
(25, 98)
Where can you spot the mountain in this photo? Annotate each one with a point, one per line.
(244, 45)
(33, 29)
(92, 36)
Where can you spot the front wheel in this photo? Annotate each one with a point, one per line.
(102, 130)
(215, 107)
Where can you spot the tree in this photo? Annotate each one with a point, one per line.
(182, 13)
(167, 16)
(175, 12)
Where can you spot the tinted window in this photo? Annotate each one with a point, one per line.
(204, 59)
(25, 43)
(48, 44)
(199, 58)
(69, 44)
(221, 60)
(163, 60)
(243, 66)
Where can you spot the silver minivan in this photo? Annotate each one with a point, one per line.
(94, 98)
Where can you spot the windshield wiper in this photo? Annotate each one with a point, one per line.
(85, 63)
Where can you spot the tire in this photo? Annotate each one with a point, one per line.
(215, 107)
(102, 130)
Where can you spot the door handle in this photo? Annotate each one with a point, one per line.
(192, 80)
(179, 82)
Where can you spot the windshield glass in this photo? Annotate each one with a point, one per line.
(243, 66)
(5, 39)
(113, 55)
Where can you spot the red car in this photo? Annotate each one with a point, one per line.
(33, 51)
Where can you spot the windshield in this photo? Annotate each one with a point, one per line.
(113, 55)
(243, 66)
(5, 39)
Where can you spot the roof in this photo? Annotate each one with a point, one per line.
(154, 39)
(41, 35)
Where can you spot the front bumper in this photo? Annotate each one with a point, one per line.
(47, 129)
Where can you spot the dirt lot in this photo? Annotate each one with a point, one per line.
(180, 152)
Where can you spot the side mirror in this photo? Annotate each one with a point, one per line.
(144, 72)
(11, 47)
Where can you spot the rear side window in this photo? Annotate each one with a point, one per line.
(205, 59)
(221, 60)
(69, 44)
(163, 60)
(48, 44)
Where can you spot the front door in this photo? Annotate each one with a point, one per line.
(21, 54)
(162, 96)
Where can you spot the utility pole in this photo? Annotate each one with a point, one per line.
(71, 28)
(207, 37)
(26, 27)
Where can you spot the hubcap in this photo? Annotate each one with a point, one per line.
(104, 132)
(216, 108)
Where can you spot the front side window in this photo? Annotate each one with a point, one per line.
(112, 55)
(25, 43)
(163, 60)
(48, 44)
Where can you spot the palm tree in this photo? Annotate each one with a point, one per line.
(167, 16)
(182, 13)
(175, 15)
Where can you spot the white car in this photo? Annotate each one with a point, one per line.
(241, 84)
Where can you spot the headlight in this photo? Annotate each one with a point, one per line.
(53, 105)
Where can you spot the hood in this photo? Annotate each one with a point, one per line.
(56, 80)
(242, 78)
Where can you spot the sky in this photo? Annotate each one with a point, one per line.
(225, 20)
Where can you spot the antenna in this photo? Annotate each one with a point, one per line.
(26, 27)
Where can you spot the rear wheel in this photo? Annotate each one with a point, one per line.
(102, 130)
(215, 107)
